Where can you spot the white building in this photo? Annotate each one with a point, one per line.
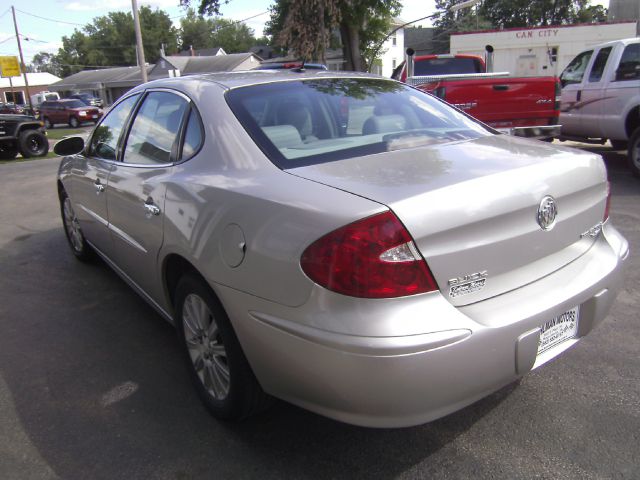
(539, 50)
(392, 51)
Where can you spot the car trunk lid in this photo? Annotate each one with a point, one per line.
(471, 207)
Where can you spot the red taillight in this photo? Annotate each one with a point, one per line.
(371, 258)
(607, 205)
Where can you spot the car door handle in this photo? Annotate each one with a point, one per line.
(501, 87)
(99, 186)
(151, 208)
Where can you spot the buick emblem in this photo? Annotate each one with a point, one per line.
(547, 212)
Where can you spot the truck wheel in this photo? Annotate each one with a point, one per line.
(33, 144)
(8, 151)
(619, 144)
(73, 122)
(633, 155)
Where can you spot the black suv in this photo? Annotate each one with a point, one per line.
(87, 99)
(22, 134)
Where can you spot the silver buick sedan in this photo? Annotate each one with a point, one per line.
(342, 242)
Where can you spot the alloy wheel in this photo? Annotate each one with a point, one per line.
(205, 346)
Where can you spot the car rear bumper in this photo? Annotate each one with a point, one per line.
(536, 132)
(460, 355)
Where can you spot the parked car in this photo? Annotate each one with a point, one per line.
(22, 134)
(522, 106)
(601, 97)
(40, 97)
(11, 108)
(70, 111)
(342, 241)
(87, 99)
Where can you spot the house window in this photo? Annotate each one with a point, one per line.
(393, 40)
(394, 64)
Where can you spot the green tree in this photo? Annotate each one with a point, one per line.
(199, 32)
(110, 41)
(46, 62)
(362, 26)
(523, 13)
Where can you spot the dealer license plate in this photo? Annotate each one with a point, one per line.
(559, 329)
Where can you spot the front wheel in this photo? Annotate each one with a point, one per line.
(8, 150)
(633, 154)
(73, 122)
(217, 366)
(33, 144)
(79, 246)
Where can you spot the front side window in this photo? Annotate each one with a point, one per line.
(598, 65)
(104, 142)
(315, 121)
(575, 70)
(155, 129)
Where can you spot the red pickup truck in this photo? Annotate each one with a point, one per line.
(526, 106)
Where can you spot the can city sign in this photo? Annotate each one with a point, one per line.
(9, 66)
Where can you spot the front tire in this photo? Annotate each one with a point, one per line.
(33, 144)
(8, 151)
(633, 154)
(218, 368)
(73, 122)
(79, 246)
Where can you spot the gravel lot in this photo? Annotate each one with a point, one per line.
(92, 386)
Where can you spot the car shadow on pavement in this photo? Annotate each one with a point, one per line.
(98, 390)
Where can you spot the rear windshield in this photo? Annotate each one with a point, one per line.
(314, 121)
(447, 66)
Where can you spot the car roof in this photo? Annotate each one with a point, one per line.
(230, 80)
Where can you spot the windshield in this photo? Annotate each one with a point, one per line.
(446, 66)
(74, 104)
(321, 120)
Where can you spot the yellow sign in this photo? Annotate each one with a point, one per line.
(9, 66)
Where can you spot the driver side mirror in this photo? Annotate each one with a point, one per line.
(69, 146)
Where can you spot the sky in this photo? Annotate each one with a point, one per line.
(43, 23)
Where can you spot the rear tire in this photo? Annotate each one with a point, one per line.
(8, 150)
(218, 368)
(73, 122)
(33, 144)
(633, 154)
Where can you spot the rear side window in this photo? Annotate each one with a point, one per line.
(192, 136)
(629, 67)
(575, 70)
(155, 129)
(104, 142)
(598, 65)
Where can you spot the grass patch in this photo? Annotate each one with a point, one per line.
(58, 133)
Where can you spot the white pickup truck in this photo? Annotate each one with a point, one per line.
(601, 97)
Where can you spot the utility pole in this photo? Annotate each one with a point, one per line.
(22, 65)
(140, 48)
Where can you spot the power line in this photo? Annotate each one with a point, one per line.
(5, 12)
(50, 19)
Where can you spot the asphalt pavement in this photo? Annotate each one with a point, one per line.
(92, 385)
